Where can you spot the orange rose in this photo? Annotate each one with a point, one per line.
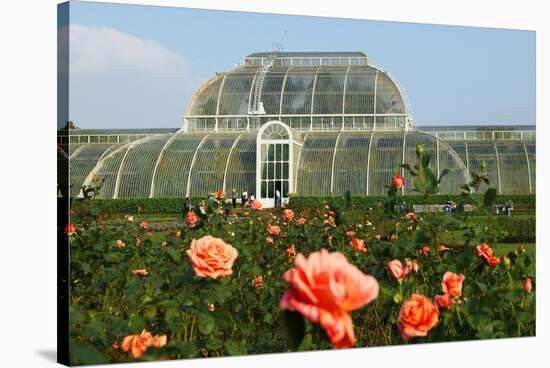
(493, 261)
(291, 251)
(288, 215)
(257, 205)
(143, 225)
(211, 257)
(417, 316)
(397, 270)
(178, 234)
(120, 244)
(325, 288)
(221, 194)
(192, 218)
(444, 301)
(70, 229)
(351, 233)
(163, 244)
(142, 272)
(398, 181)
(411, 216)
(301, 221)
(528, 285)
(452, 283)
(484, 251)
(258, 282)
(273, 230)
(442, 248)
(137, 345)
(358, 244)
(425, 249)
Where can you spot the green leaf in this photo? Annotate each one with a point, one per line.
(490, 196)
(136, 323)
(188, 350)
(214, 344)
(206, 323)
(174, 255)
(232, 348)
(268, 318)
(114, 256)
(172, 316)
(295, 328)
(86, 268)
(76, 316)
(397, 298)
(85, 354)
(224, 320)
(96, 330)
(443, 173)
(426, 159)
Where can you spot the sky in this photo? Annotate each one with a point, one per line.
(135, 66)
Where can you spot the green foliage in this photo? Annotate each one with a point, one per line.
(366, 202)
(230, 316)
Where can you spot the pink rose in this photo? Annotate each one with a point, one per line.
(444, 301)
(452, 283)
(397, 270)
(211, 257)
(325, 288)
(528, 285)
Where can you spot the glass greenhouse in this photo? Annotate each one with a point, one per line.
(306, 123)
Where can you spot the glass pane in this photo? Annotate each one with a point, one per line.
(285, 170)
(264, 152)
(278, 170)
(270, 189)
(264, 171)
(264, 189)
(285, 152)
(278, 152)
(270, 171)
(285, 188)
(271, 153)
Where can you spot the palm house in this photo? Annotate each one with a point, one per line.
(308, 123)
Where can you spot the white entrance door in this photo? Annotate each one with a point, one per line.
(274, 172)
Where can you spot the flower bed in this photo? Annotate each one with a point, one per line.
(295, 280)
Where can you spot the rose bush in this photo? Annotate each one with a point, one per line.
(218, 287)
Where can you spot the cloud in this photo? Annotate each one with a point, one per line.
(99, 49)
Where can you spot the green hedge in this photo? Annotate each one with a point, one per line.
(175, 205)
(517, 229)
(135, 205)
(524, 200)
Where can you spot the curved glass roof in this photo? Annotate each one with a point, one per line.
(194, 164)
(227, 101)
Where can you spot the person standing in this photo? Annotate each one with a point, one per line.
(186, 207)
(234, 198)
(277, 198)
(244, 197)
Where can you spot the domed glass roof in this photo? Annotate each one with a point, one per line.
(315, 91)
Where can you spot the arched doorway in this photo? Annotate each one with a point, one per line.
(275, 154)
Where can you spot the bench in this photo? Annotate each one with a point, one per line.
(419, 208)
(518, 208)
